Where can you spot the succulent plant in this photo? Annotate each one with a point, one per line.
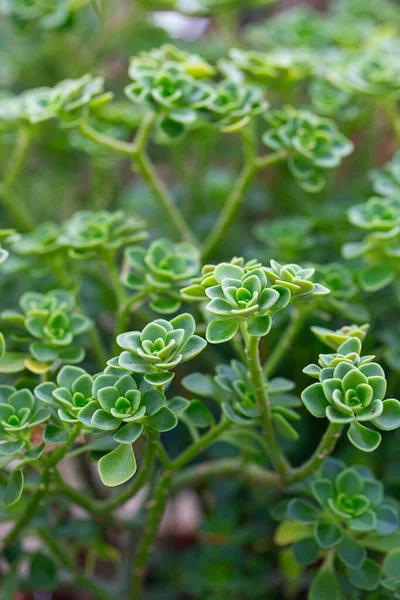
(313, 144)
(87, 232)
(191, 64)
(286, 236)
(334, 339)
(53, 324)
(373, 73)
(235, 104)
(296, 279)
(159, 348)
(48, 15)
(18, 413)
(42, 241)
(242, 297)
(351, 390)
(196, 291)
(231, 387)
(340, 505)
(380, 217)
(386, 180)
(118, 405)
(161, 271)
(331, 101)
(71, 394)
(279, 66)
(171, 92)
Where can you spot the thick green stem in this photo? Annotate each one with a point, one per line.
(155, 508)
(160, 191)
(197, 474)
(286, 341)
(201, 444)
(236, 197)
(78, 577)
(278, 459)
(324, 449)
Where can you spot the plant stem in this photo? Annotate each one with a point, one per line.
(201, 444)
(19, 211)
(285, 343)
(102, 506)
(78, 577)
(98, 346)
(229, 209)
(137, 300)
(155, 509)
(160, 191)
(236, 198)
(106, 141)
(324, 449)
(253, 359)
(115, 279)
(41, 490)
(226, 466)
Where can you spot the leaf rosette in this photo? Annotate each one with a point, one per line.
(351, 390)
(235, 104)
(50, 319)
(313, 143)
(19, 413)
(296, 279)
(119, 406)
(231, 387)
(72, 393)
(341, 503)
(196, 292)
(242, 297)
(159, 348)
(87, 232)
(161, 271)
(175, 95)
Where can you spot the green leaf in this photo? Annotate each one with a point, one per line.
(283, 427)
(13, 362)
(2, 346)
(54, 434)
(14, 488)
(327, 535)
(159, 378)
(35, 452)
(289, 532)
(351, 553)
(259, 326)
(302, 511)
(234, 416)
(221, 331)
(383, 543)
(199, 384)
(199, 414)
(325, 584)
(365, 522)
(391, 564)
(390, 417)
(305, 551)
(163, 420)
(9, 448)
(42, 572)
(349, 482)
(376, 278)
(129, 433)
(363, 438)
(322, 490)
(104, 420)
(315, 400)
(387, 521)
(117, 466)
(366, 577)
